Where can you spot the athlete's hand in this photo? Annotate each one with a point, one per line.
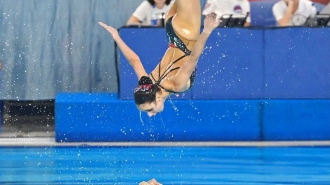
(289, 2)
(151, 182)
(210, 23)
(111, 30)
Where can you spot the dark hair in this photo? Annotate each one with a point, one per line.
(152, 2)
(146, 91)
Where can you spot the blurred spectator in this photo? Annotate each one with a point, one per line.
(293, 12)
(236, 8)
(150, 13)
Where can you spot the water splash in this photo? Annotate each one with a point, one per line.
(193, 106)
(174, 107)
(141, 118)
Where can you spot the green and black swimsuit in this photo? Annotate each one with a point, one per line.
(174, 41)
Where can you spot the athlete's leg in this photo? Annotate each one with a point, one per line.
(187, 20)
(171, 12)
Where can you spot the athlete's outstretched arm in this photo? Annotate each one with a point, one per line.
(183, 75)
(129, 54)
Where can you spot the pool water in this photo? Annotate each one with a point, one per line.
(168, 165)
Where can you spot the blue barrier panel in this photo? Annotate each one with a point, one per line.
(296, 120)
(150, 44)
(101, 117)
(231, 66)
(297, 63)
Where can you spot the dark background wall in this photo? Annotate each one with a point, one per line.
(54, 46)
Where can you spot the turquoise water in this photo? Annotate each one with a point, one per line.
(169, 165)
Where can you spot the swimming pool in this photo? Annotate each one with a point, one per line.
(168, 164)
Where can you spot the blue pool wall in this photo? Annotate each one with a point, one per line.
(83, 117)
(260, 84)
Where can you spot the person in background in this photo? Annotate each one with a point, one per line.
(293, 12)
(150, 13)
(236, 8)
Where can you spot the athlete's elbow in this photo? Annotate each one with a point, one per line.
(179, 87)
(194, 57)
(134, 60)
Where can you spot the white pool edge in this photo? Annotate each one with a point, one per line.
(50, 142)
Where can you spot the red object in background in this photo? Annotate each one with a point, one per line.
(325, 2)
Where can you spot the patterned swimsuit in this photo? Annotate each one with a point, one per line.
(174, 41)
